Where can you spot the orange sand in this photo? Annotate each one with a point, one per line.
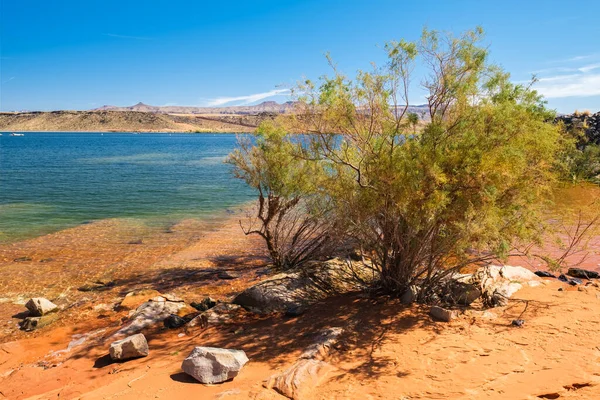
(389, 351)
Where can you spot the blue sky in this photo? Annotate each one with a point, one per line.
(74, 54)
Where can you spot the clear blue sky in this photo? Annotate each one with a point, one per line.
(81, 54)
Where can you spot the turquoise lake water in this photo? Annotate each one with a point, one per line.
(52, 181)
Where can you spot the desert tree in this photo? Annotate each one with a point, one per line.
(461, 191)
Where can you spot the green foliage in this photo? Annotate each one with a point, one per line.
(420, 204)
(292, 223)
(585, 164)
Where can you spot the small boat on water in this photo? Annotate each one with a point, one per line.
(17, 134)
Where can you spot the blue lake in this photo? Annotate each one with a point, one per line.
(52, 181)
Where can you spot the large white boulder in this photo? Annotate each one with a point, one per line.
(151, 312)
(131, 347)
(214, 365)
(39, 306)
(500, 283)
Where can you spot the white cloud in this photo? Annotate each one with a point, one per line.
(576, 77)
(219, 101)
(588, 68)
(8, 80)
(575, 59)
(580, 85)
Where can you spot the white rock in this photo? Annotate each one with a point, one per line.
(513, 274)
(39, 306)
(150, 313)
(131, 347)
(299, 381)
(442, 314)
(214, 365)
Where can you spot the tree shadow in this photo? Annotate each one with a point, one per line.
(168, 279)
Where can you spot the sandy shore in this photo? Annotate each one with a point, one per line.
(390, 351)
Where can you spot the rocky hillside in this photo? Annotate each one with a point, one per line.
(589, 123)
(125, 121)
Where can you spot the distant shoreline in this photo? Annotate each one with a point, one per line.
(127, 121)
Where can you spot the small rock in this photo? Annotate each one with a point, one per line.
(410, 295)
(583, 273)
(31, 323)
(442, 314)
(295, 311)
(206, 304)
(227, 275)
(23, 259)
(570, 281)
(544, 274)
(39, 306)
(174, 321)
(131, 347)
(464, 293)
(518, 322)
(97, 286)
(214, 365)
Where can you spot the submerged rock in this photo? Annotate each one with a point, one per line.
(131, 347)
(214, 365)
(39, 306)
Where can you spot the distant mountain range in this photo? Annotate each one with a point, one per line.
(271, 107)
(267, 106)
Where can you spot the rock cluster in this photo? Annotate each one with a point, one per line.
(41, 313)
(589, 123)
(39, 306)
(151, 312)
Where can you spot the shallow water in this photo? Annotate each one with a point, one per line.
(52, 181)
